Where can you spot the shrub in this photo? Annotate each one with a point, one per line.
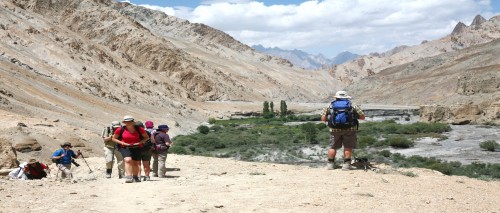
(409, 174)
(321, 126)
(310, 131)
(210, 142)
(489, 145)
(399, 142)
(385, 153)
(364, 141)
(215, 128)
(211, 120)
(203, 129)
(268, 139)
(178, 150)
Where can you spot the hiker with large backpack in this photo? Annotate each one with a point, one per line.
(342, 117)
(64, 158)
(130, 140)
(111, 151)
(161, 144)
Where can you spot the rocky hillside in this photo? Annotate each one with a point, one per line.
(70, 67)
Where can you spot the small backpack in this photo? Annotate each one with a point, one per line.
(57, 160)
(342, 115)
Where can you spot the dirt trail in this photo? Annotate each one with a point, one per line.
(202, 184)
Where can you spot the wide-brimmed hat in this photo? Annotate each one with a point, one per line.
(128, 118)
(162, 127)
(341, 94)
(32, 161)
(66, 144)
(115, 124)
(149, 124)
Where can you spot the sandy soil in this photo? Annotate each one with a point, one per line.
(202, 184)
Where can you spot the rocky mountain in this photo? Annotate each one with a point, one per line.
(462, 37)
(306, 60)
(70, 67)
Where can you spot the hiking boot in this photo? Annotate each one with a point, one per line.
(330, 165)
(346, 166)
(146, 178)
(108, 175)
(129, 179)
(137, 179)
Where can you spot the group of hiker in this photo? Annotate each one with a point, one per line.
(135, 144)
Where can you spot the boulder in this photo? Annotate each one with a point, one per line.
(26, 144)
(8, 156)
(77, 141)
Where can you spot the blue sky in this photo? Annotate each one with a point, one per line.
(329, 26)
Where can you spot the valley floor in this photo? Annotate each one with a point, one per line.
(202, 184)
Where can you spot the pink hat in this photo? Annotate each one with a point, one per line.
(149, 124)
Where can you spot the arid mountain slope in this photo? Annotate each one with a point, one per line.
(466, 83)
(70, 67)
(480, 32)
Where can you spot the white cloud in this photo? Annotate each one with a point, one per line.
(331, 26)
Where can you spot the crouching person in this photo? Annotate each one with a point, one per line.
(18, 173)
(63, 158)
(36, 170)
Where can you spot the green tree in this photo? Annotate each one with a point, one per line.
(266, 113)
(283, 108)
(271, 105)
(265, 110)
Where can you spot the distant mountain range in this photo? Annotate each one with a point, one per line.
(305, 60)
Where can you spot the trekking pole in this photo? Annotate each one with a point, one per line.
(87, 164)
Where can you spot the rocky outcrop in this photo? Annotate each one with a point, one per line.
(459, 28)
(471, 84)
(8, 156)
(462, 114)
(478, 20)
(26, 144)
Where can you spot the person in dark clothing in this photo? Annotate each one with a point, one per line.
(162, 143)
(36, 170)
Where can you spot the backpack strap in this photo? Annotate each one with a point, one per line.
(120, 136)
(137, 129)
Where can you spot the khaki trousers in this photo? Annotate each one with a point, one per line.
(109, 154)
